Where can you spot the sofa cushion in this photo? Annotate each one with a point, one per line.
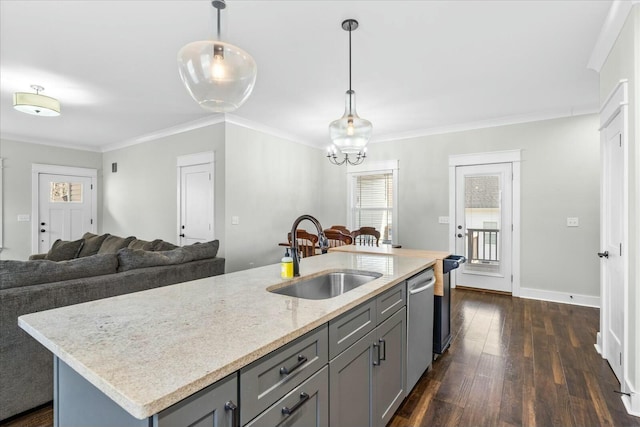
(112, 244)
(130, 259)
(24, 273)
(92, 243)
(203, 250)
(141, 244)
(161, 245)
(63, 250)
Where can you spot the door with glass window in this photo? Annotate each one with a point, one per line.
(483, 225)
(64, 208)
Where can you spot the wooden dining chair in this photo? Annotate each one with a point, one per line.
(366, 236)
(342, 228)
(306, 242)
(337, 237)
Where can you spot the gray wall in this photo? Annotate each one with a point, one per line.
(623, 62)
(17, 160)
(140, 199)
(559, 179)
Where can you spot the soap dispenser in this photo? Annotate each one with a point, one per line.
(286, 266)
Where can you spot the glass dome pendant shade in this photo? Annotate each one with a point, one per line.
(350, 133)
(219, 76)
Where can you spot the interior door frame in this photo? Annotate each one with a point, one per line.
(616, 103)
(472, 159)
(203, 158)
(36, 170)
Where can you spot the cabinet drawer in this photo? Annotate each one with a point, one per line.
(308, 403)
(390, 302)
(268, 379)
(348, 328)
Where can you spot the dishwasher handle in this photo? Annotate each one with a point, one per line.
(423, 288)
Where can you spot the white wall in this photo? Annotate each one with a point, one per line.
(140, 198)
(559, 177)
(17, 160)
(269, 182)
(623, 62)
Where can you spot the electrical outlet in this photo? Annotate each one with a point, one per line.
(24, 218)
(572, 222)
(443, 220)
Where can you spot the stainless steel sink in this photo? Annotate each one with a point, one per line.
(328, 285)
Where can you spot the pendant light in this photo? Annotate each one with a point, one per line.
(36, 104)
(219, 76)
(349, 134)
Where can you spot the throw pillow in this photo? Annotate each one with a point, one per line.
(63, 250)
(141, 244)
(203, 250)
(161, 245)
(92, 243)
(112, 244)
(24, 273)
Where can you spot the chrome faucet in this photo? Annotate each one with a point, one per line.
(322, 241)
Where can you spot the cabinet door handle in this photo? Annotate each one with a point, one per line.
(301, 361)
(303, 398)
(383, 344)
(376, 350)
(230, 406)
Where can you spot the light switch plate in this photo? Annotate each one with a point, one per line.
(572, 222)
(443, 220)
(24, 218)
(235, 220)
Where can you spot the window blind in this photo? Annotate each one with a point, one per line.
(373, 203)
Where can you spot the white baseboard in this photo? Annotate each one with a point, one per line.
(631, 402)
(598, 344)
(563, 297)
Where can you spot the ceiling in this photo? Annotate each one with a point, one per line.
(419, 67)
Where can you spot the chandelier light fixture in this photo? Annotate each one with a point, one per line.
(350, 133)
(219, 76)
(36, 104)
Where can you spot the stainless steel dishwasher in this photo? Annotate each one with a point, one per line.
(419, 325)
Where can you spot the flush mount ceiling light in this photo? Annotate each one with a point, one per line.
(349, 134)
(217, 75)
(36, 104)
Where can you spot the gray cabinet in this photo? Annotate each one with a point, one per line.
(305, 406)
(215, 405)
(349, 327)
(367, 381)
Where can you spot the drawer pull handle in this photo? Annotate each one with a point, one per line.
(302, 359)
(384, 349)
(230, 406)
(376, 351)
(303, 398)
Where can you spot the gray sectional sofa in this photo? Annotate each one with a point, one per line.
(108, 266)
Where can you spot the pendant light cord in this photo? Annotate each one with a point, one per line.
(218, 23)
(349, 56)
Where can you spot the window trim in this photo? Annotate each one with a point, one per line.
(373, 168)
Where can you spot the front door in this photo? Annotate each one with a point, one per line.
(483, 227)
(196, 203)
(64, 208)
(612, 236)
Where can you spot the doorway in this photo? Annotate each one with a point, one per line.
(613, 233)
(64, 203)
(485, 207)
(195, 198)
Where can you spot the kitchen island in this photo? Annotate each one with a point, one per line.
(149, 350)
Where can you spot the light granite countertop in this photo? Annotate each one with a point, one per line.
(148, 350)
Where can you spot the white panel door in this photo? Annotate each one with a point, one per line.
(65, 208)
(483, 226)
(196, 204)
(612, 236)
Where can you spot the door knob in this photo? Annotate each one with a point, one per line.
(42, 223)
(604, 254)
(459, 235)
(42, 230)
(182, 235)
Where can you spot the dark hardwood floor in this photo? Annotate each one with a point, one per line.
(512, 362)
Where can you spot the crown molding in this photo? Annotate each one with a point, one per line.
(163, 133)
(51, 143)
(609, 33)
(482, 124)
(249, 124)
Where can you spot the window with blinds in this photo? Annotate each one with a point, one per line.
(372, 204)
